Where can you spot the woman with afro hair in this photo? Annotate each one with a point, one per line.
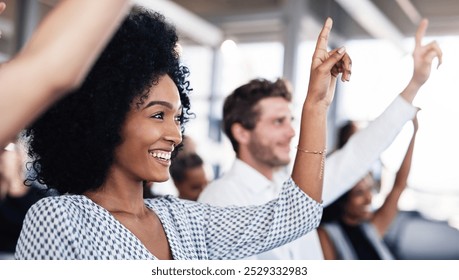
(100, 144)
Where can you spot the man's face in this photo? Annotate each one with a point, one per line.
(270, 140)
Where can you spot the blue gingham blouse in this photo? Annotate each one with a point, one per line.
(74, 227)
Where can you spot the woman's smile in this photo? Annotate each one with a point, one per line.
(163, 157)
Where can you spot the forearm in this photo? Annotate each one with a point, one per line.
(385, 215)
(55, 60)
(70, 38)
(24, 94)
(387, 212)
(309, 162)
(401, 177)
(308, 167)
(345, 167)
(411, 90)
(255, 229)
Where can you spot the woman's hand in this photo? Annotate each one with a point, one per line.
(325, 68)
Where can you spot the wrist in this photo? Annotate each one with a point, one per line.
(416, 83)
(317, 106)
(411, 90)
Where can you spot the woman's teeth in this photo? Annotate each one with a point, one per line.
(161, 155)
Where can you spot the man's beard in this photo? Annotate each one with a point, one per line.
(266, 155)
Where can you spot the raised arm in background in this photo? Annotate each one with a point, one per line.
(350, 163)
(423, 57)
(384, 216)
(55, 60)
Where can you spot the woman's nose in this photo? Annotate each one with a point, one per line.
(174, 134)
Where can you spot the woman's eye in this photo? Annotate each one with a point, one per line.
(159, 116)
(178, 118)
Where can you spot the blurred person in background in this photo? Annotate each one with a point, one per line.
(350, 229)
(189, 176)
(15, 197)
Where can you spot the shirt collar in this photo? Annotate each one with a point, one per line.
(253, 179)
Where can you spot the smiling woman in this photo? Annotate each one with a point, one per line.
(73, 143)
(150, 134)
(120, 129)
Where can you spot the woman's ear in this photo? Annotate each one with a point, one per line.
(240, 133)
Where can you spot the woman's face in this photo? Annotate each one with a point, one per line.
(358, 205)
(150, 134)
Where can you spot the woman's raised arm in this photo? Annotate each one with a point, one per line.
(55, 60)
(310, 157)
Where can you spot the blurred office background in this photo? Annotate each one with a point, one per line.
(226, 43)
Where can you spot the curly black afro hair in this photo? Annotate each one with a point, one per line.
(72, 145)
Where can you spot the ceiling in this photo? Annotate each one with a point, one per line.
(258, 20)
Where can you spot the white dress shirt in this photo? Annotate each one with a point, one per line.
(243, 185)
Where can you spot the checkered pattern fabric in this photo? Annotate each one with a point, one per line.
(74, 227)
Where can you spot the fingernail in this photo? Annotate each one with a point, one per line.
(348, 76)
(341, 50)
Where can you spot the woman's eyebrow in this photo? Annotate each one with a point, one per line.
(162, 103)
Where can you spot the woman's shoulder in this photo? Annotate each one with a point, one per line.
(61, 200)
(173, 204)
(60, 204)
(166, 201)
